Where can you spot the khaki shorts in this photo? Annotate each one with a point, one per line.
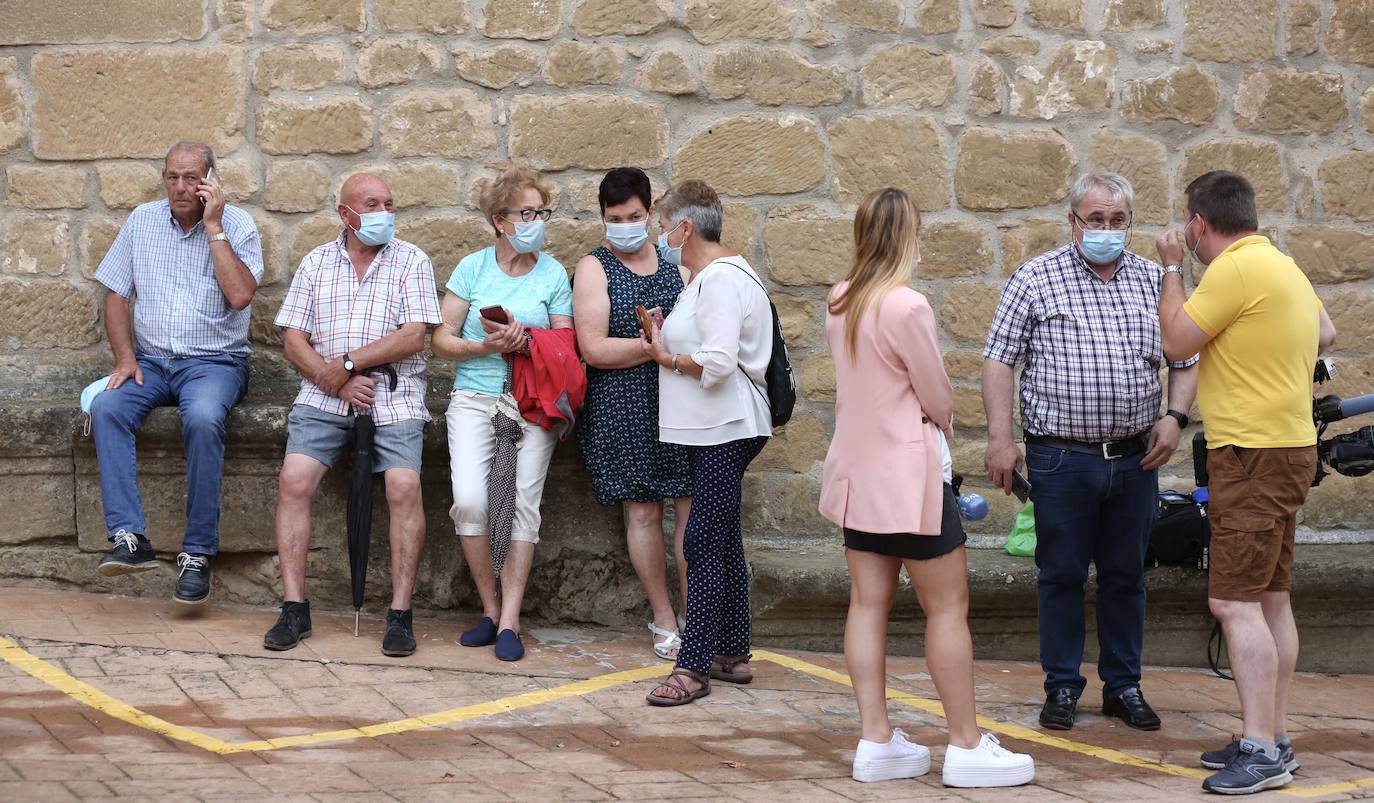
(1255, 495)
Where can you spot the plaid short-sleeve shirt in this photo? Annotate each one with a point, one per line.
(1092, 348)
(342, 314)
(179, 308)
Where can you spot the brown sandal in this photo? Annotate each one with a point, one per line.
(727, 668)
(681, 695)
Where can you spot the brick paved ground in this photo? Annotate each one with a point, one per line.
(788, 736)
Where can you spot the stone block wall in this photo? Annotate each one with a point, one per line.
(985, 110)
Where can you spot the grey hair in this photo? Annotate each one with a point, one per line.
(694, 201)
(1115, 184)
(207, 154)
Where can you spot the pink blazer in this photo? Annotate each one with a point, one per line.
(883, 470)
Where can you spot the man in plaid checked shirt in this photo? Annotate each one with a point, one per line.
(188, 266)
(364, 300)
(1084, 321)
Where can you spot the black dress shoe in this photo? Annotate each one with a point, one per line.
(193, 585)
(399, 640)
(1061, 705)
(1130, 707)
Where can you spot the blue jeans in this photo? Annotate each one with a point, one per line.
(1091, 510)
(204, 389)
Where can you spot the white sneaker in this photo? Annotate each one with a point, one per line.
(897, 758)
(988, 764)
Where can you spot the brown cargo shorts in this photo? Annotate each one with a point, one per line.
(1255, 495)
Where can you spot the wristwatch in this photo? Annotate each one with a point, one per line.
(676, 370)
(1174, 269)
(348, 364)
(1181, 418)
(214, 238)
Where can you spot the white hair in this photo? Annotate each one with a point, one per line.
(1115, 184)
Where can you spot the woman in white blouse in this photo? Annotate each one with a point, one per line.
(712, 353)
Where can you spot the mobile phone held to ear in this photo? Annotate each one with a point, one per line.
(209, 178)
(646, 320)
(1020, 486)
(495, 314)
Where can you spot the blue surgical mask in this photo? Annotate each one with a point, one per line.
(673, 256)
(376, 228)
(92, 390)
(1103, 247)
(627, 237)
(528, 237)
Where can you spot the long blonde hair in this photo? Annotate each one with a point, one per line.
(886, 226)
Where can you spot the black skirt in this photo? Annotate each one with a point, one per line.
(909, 545)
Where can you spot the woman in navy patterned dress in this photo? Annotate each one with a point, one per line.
(618, 425)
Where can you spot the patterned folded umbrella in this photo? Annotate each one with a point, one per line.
(506, 422)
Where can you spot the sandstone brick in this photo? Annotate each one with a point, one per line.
(11, 105)
(45, 187)
(1303, 25)
(415, 184)
(798, 446)
(1154, 47)
(907, 75)
(452, 122)
(1330, 255)
(575, 63)
(868, 153)
(571, 239)
(772, 76)
(1011, 46)
(802, 321)
(329, 125)
(441, 17)
(317, 230)
(1031, 238)
(1352, 311)
(1055, 14)
(804, 246)
(937, 16)
(1143, 161)
(594, 132)
(497, 67)
(235, 21)
(964, 364)
(578, 196)
(968, 407)
(1286, 101)
(1259, 160)
(714, 21)
(76, 22)
(296, 186)
(240, 177)
(816, 378)
(953, 248)
(753, 155)
(967, 308)
(389, 62)
(35, 245)
(1079, 78)
(298, 67)
(1303, 199)
(1186, 95)
(1351, 36)
(1230, 30)
(870, 15)
(738, 228)
(987, 91)
(1130, 15)
(994, 13)
(97, 235)
(1345, 182)
(92, 104)
(624, 17)
(445, 238)
(274, 271)
(313, 16)
(522, 19)
(1012, 170)
(125, 185)
(45, 315)
(667, 72)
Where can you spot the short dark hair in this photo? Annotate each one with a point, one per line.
(625, 184)
(1225, 200)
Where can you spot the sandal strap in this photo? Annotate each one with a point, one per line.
(661, 631)
(674, 681)
(729, 662)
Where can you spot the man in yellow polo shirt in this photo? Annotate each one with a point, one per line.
(1258, 327)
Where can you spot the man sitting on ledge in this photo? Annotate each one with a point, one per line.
(189, 265)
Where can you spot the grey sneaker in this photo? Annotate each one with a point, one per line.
(1248, 772)
(131, 554)
(1217, 759)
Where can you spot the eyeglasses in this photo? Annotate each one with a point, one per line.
(1098, 224)
(527, 215)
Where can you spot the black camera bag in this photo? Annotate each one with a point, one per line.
(1181, 533)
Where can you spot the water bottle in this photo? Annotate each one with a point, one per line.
(972, 506)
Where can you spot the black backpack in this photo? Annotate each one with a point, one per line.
(781, 384)
(1181, 533)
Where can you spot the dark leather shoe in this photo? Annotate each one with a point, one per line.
(193, 584)
(1130, 707)
(399, 640)
(292, 625)
(1061, 705)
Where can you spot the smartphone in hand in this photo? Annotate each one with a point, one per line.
(1020, 486)
(495, 314)
(209, 179)
(646, 321)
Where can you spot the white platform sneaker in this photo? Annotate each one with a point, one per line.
(897, 758)
(988, 764)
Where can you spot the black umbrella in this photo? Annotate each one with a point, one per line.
(360, 497)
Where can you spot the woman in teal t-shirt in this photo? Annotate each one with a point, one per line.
(532, 290)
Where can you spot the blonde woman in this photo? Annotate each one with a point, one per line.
(886, 483)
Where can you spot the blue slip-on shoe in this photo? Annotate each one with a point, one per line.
(509, 646)
(482, 635)
(131, 554)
